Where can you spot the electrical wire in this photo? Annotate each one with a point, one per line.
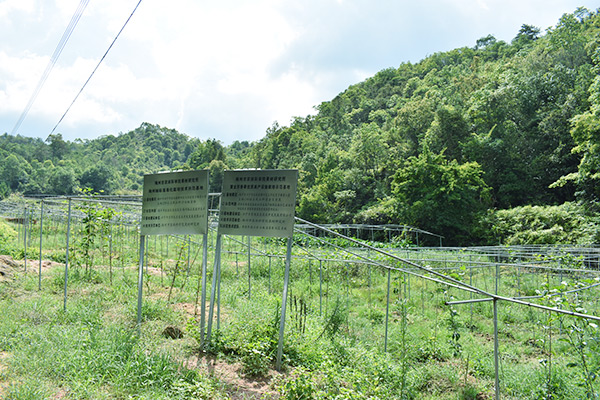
(98, 65)
(59, 48)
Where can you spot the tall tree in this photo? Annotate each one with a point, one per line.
(586, 133)
(207, 151)
(58, 146)
(448, 132)
(440, 196)
(62, 181)
(99, 178)
(14, 171)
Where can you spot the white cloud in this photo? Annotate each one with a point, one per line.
(15, 83)
(9, 6)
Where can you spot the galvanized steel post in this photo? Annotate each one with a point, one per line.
(387, 309)
(140, 279)
(41, 241)
(67, 254)
(214, 287)
(286, 279)
(203, 297)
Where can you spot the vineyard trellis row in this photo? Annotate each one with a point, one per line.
(469, 276)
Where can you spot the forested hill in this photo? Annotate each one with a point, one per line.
(112, 164)
(434, 144)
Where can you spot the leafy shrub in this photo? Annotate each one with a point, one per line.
(299, 387)
(201, 388)
(7, 235)
(363, 374)
(58, 256)
(430, 349)
(567, 223)
(256, 358)
(252, 336)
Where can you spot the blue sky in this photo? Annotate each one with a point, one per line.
(226, 69)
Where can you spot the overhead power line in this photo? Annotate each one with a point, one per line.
(98, 65)
(59, 48)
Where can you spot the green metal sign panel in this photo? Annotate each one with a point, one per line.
(175, 203)
(258, 202)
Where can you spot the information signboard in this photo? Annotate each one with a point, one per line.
(258, 202)
(175, 203)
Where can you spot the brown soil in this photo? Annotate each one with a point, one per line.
(154, 271)
(239, 386)
(8, 266)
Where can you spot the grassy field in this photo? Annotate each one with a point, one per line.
(335, 339)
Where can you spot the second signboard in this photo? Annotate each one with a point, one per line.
(258, 203)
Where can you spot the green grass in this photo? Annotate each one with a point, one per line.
(93, 350)
(334, 343)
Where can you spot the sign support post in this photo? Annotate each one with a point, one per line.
(249, 270)
(141, 279)
(286, 279)
(213, 293)
(203, 297)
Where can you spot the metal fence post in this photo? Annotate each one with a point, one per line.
(387, 310)
(496, 352)
(41, 241)
(25, 219)
(67, 255)
(320, 287)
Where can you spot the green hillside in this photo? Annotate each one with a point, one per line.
(436, 144)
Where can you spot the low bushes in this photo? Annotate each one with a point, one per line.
(568, 223)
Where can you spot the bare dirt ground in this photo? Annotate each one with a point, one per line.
(239, 386)
(8, 266)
